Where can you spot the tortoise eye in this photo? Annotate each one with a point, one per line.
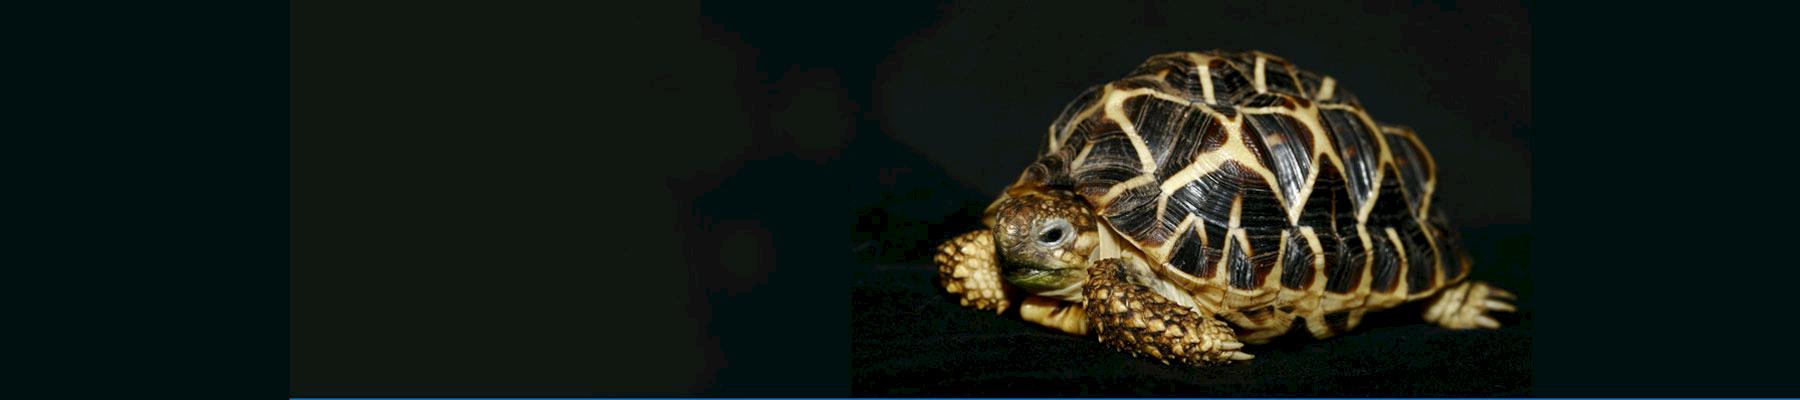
(1054, 233)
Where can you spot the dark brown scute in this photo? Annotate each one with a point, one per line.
(1284, 145)
(1164, 127)
(1182, 76)
(1188, 255)
(1190, 199)
(1410, 163)
(1237, 263)
(1264, 253)
(1082, 102)
(1053, 169)
(1261, 100)
(1331, 248)
(1276, 78)
(1133, 212)
(1390, 203)
(1328, 198)
(1260, 210)
(1297, 261)
(1111, 161)
(1189, 133)
(1231, 82)
(1385, 269)
(1208, 197)
(1077, 139)
(1421, 256)
(1357, 147)
(1390, 211)
(1215, 245)
(1345, 275)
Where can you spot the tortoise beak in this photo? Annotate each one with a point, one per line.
(1039, 280)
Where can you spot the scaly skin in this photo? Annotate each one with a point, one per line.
(1130, 318)
(968, 266)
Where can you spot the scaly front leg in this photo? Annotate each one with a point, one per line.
(969, 266)
(1131, 318)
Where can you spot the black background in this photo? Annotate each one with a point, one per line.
(596, 200)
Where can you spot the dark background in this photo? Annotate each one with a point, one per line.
(738, 199)
(648, 199)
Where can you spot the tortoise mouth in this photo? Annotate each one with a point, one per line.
(1040, 280)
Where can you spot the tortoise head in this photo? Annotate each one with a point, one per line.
(1044, 238)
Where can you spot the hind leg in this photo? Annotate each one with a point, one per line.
(1467, 306)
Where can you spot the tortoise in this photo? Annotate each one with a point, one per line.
(1213, 199)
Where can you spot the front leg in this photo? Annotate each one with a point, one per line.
(1066, 316)
(1130, 318)
(969, 267)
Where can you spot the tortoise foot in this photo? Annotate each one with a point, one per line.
(969, 268)
(1468, 306)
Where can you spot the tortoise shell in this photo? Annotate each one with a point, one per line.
(1263, 189)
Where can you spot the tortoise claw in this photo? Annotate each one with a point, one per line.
(1487, 322)
(1497, 305)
